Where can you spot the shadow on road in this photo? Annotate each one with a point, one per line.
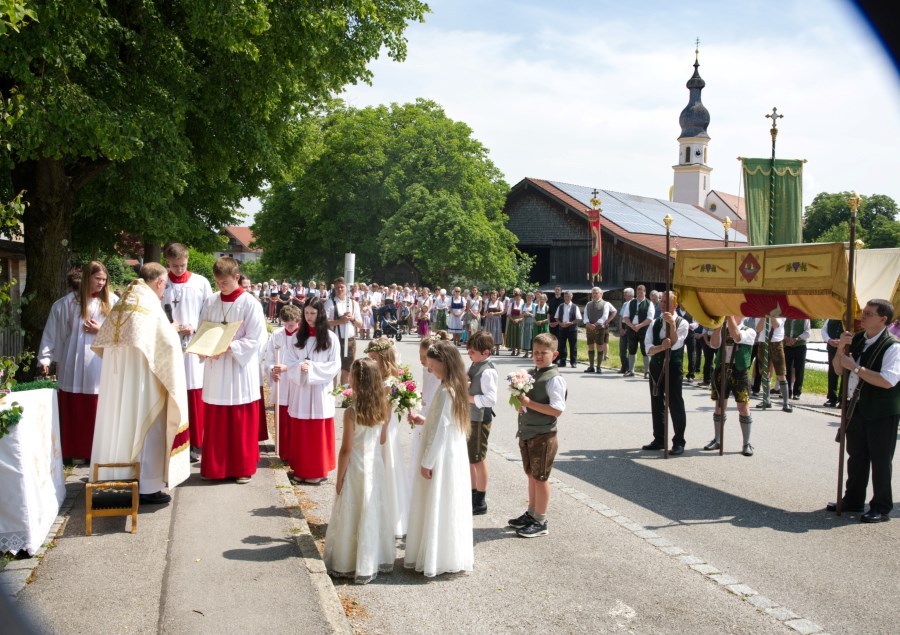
(278, 549)
(684, 501)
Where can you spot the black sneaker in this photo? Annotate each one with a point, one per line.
(522, 521)
(479, 510)
(589, 369)
(534, 530)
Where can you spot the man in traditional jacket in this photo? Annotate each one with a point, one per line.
(142, 414)
(597, 315)
(640, 314)
(873, 358)
(667, 332)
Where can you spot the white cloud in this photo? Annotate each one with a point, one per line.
(597, 103)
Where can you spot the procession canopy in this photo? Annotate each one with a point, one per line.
(792, 281)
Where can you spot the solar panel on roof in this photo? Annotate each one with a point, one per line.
(644, 215)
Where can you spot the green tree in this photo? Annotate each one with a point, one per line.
(883, 233)
(156, 118)
(375, 177)
(828, 210)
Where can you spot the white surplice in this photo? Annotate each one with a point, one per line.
(310, 395)
(65, 342)
(234, 378)
(187, 299)
(290, 355)
(439, 537)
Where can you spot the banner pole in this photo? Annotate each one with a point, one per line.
(277, 402)
(665, 376)
(854, 201)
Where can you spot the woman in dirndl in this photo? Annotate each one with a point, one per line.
(527, 324)
(492, 324)
(514, 319)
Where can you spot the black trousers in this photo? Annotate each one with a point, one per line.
(691, 345)
(795, 367)
(636, 339)
(568, 338)
(834, 380)
(871, 442)
(709, 356)
(623, 345)
(676, 404)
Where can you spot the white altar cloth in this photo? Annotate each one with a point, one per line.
(32, 483)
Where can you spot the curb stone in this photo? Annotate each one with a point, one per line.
(318, 575)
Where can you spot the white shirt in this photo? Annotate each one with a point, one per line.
(556, 390)
(234, 378)
(890, 364)
(776, 326)
(488, 396)
(604, 318)
(348, 330)
(681, 330)
(186, 300)
(568, 312)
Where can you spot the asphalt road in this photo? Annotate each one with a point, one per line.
(698, 543)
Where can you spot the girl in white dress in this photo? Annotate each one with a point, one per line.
(439, 538)
(428, 387)
(397, 489)
(359, 543)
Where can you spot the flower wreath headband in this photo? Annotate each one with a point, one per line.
(375, 347)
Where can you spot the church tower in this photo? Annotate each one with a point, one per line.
(692, 174)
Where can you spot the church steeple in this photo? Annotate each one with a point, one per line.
(694, 118)
(692, 174)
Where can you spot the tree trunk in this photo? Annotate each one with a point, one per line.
(50, 198)
(152, 252)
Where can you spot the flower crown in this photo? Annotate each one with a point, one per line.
(376, 347)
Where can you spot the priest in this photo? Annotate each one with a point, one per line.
(142, 414)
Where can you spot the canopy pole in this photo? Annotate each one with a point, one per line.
(854, 201)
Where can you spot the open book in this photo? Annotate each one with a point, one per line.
(212, 338)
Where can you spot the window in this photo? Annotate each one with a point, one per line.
(687, 154)
(712, 207)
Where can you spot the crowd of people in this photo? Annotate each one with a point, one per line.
(429, 496)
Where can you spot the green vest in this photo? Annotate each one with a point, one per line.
(794, 328)
(834, 328)
(531, 423)
(742, 352)
(875, 402)
(676, 356)
(638, 309)
(475, 371)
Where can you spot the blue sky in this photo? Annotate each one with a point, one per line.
(590, 92)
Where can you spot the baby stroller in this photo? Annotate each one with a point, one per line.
(388, 328)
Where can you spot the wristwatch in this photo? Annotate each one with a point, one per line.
(857, 369)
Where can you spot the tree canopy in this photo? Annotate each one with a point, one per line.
(401, 186)
(828, 220)
(155, 119)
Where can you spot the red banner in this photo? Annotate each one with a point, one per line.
(596, 250)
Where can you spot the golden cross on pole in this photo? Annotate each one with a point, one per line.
(595, 198)
(774, 117)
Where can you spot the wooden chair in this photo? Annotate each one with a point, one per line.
(113, 498)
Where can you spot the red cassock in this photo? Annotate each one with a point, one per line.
(284, 434)
(263, 426)
(230, 446)
(310, 447)
(195, 416)
(77, 412)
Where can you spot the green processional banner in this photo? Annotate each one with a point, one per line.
(788, 212)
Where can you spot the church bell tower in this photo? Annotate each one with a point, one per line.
(692, 174)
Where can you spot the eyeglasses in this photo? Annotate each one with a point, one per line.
(866, 313)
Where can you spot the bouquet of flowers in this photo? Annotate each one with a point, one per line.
(345, 393)
(520, 382)
(403, 395)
